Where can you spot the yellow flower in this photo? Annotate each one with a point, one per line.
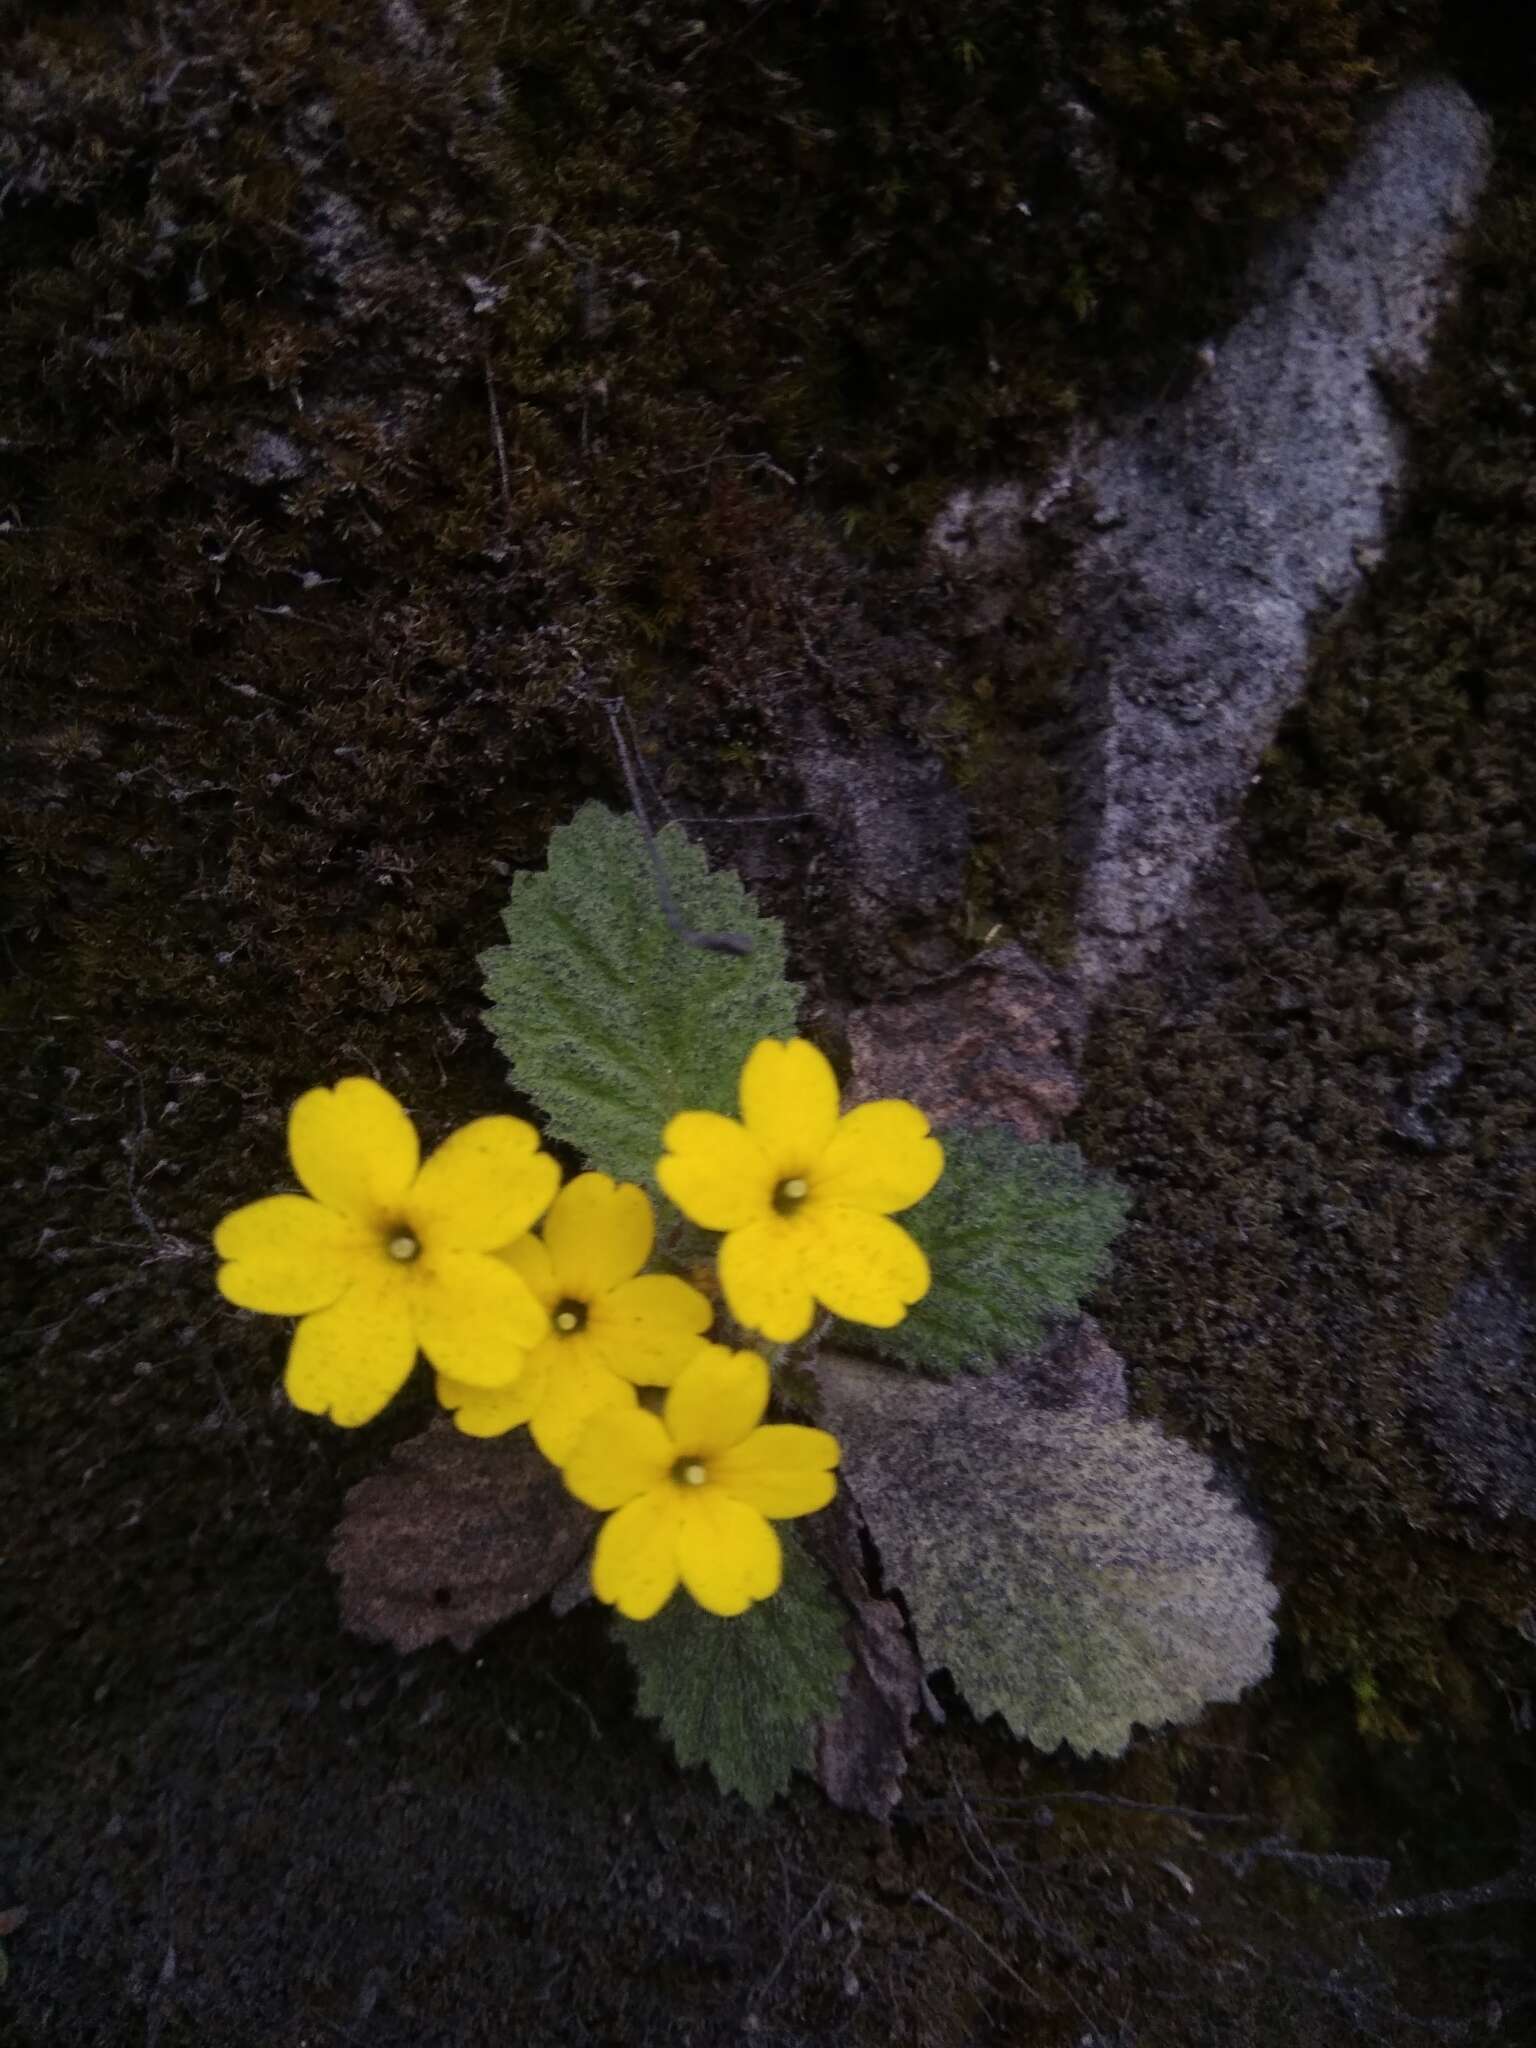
(805, 1195)
(694, 1487)
(385, 1255)
(612, 1327)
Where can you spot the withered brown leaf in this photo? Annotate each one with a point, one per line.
(456, 1534)
(861, 1750)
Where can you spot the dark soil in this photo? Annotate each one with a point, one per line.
(300, 669)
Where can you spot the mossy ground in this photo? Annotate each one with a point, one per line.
(299, 668)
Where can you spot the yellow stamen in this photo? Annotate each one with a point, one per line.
(796, 1190)
(403, 1247)
(692, 1475)
(566, 1320)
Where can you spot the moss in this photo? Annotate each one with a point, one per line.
(268, 286)
(1338, 1128)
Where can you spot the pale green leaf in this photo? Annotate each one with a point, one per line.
(1015, 1234)
(743, 1693)
(609, 1021)
(1074, 1575)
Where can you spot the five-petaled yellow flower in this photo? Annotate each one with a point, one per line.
(612, 1327)
(386, 1255)
(804, 1195)
(694, 1488)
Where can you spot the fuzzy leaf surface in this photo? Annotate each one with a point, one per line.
(608, 1020)
(1074, 1575)
(1015, 1234)
(743, 1693)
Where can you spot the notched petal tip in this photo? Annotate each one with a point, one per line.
(599, 1233)
(882, 1157)
(484, 1187)
(288, 1255)
(714, 1170)
(789, 1100)
(349, 1361)
(620, 1454)
(763, 1278)
(716, 1400)
(634, 1564)
(353, 1147)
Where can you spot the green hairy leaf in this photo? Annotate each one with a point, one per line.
(1074, 1575)
(742, 1693)
(1014, 1233)
(610, 1022)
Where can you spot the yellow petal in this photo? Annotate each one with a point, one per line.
(482, 1187)
(577, 1388)
(880, 1157)
(716, 1400)
(763, 1280)
(288, 1255)
(474, 1317)
(526, 1255)
(634, 1566)
(862, 1266)
(717, 1173)
(354, 1148)
(599, 1232)
(789, 1103)
(622, 1452)
(349, 1360)
(648, 1329)
(727, 1554)
(782, 1470)
(492, 1411)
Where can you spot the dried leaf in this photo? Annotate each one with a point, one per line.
(861, 1750)
(574, 1590)
(456, 1534)
(1076, 1576)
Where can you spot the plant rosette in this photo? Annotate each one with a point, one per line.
(570, 1336)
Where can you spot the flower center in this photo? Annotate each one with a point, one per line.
(570, 1317)
(689, 1472)
(403, 1246)
(789, 1194)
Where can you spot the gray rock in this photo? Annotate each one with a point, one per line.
(1231, 519)
(999, 1042)
(897, 835)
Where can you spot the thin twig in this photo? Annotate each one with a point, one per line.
(795, 1933)
(733, 943)
(1493, 1891)
(751, 818)
(1002, 1962)
(575, 1699)
(1050, 1935)
(499, 442)
(642, 767)
(1112, 1799)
